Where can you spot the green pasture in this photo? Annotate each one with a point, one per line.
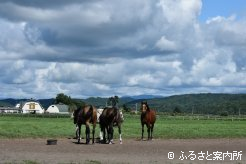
(166, 127)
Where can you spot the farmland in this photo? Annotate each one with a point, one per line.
(23, 140)
(166, 127)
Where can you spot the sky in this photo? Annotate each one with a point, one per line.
(102, 48)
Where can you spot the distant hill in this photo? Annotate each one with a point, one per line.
(188, 103)
(12, 102)
(101, 102)
(96, 101)
(144, 97)
(46, 102)
(198, 103)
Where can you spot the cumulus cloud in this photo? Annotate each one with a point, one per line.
(165, 44)
(105, 48)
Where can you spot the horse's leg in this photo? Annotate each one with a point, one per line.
(108, 133)
(111, 133)
(119, 128)
(93, 133)
(152, 128)
(142, 130)
(148, 126)
(87, 133)
(79, 129)
(76, 131)
(103, 134)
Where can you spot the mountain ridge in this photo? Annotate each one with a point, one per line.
(203, 103)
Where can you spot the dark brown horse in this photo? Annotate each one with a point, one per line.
(109, 118)
(85, 116)
(148, 118)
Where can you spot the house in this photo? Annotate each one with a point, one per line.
(31, 106)
(9, 109)
(58, 108)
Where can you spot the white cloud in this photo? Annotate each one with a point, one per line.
(180, 11)
(104, 48)
(165, 45)
(219, 19)
(175, 81)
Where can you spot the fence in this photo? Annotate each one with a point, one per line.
(46, 115)
(192, 117)
(137, 116)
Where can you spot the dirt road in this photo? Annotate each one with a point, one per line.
(131, 151)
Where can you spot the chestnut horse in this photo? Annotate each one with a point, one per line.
(148, 118)
(85, 116)
(109, 118)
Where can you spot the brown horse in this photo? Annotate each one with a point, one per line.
(86, 115)
(109, 118)
(148, 117)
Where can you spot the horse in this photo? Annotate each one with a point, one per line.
(99, 112)
(110, 117)
(148, 118)
(86, 115)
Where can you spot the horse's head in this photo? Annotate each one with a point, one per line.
(144, 107)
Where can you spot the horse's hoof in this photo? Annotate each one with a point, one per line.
(120, 142)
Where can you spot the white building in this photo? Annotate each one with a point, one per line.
(31, 106)
(58, 108)
(9, 110)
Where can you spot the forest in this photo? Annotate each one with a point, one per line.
(204, 103)
(220, 104)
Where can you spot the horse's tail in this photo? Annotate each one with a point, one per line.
(93, 114)
(75, 115)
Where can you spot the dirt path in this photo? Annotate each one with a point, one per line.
(131, 151)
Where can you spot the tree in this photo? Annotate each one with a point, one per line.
(176, 110)
(78, 103)
(72, 103)
(62, 98)
(125, 108)
(113, 101)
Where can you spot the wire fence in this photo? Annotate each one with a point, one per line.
(137, 116)
(192, 117)
(46, 115)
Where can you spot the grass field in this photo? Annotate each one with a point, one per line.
(166, 127)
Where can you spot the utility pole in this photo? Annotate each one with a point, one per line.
(136, 106)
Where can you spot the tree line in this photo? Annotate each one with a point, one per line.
(218, 104)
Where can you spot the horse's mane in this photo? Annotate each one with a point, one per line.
(147, 107)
